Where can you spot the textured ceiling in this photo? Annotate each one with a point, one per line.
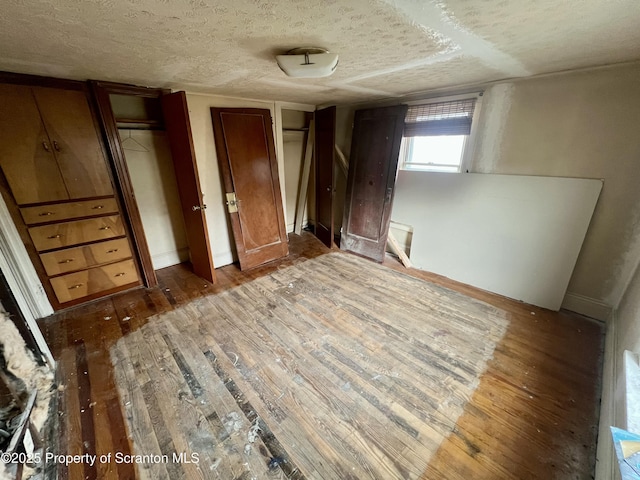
(387, 48)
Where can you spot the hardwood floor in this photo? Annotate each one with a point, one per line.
(533, 414)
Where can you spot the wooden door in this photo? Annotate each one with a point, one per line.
(178, 127)
(377, 134)
(26, 153)
(75, 142)
(325, 141)
(246, 154)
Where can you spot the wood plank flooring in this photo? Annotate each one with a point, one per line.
(351, 362)
(533, 414)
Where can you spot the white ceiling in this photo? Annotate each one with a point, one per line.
(387, 48)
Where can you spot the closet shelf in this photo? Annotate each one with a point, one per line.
(133, 123)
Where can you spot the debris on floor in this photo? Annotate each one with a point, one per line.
(232, 423)
(275, 462)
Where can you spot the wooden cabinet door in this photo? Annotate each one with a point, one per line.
(26, 154)
(377, 134)
(325, 142)
(75, 142)
(176, 119)
(246, 154)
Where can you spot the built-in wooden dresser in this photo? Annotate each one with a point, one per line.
(64, 202)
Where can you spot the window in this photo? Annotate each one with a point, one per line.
(436, 134)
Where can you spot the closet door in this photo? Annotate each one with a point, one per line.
(325, 142)
(377, 134)
(26, 153)
(74, 140)
(247, 158)
(176, 119)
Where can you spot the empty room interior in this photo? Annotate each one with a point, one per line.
(353, 239)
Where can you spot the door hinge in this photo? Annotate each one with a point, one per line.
(232, 202)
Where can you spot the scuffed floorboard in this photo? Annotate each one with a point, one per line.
(343, 368)
(533, 414)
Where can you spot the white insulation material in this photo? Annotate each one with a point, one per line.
(22, 365)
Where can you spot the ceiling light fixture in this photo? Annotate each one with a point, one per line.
(308, 62)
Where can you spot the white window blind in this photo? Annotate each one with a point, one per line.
(443, 118)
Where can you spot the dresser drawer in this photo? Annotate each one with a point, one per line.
(79, 258)
(60, 235)
(66, 211)
(94, 280)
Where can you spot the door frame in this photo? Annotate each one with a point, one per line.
(101, 92)
(23, 280)
(279, 138)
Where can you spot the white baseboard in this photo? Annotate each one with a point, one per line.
(589, 307)
(292, 226)
(167, 259)
(220, 259)
(606, 463)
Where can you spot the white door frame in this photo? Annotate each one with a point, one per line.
(23, 279)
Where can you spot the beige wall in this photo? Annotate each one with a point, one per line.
(582, 124)
(220, 236)
(344, 125)
(628, 318)
(623, 333)
(294, 141)
(148, 158)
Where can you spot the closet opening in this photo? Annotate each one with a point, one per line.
(147, 154)
(149, 137)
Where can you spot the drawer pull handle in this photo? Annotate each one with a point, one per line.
(51, 237)
(56, 146)
(68, 260)
(97, 207)
(45, 214)
(113, 250)
(105, 228)
(121, 274)
(76, 286)
(45, 146)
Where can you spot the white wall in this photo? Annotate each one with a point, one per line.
(581, 124)
(515, 235)
(150, 165)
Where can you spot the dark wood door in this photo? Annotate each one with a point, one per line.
(246, 154)
(325, 141)
(377, 134)
(178, 127)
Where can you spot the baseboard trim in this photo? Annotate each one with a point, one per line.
(589, 307)
(167, 259)
(221, 259)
